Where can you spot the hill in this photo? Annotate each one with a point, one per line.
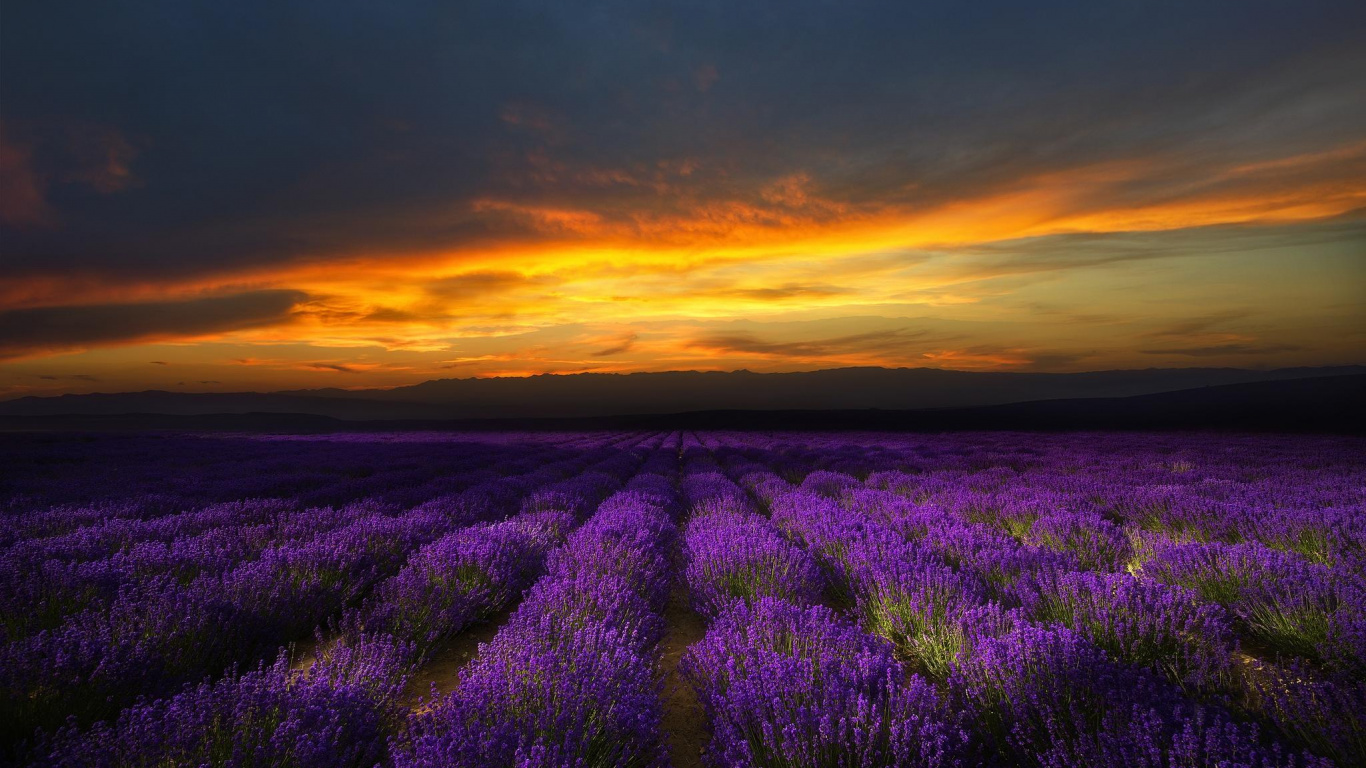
(1329, 404)
(592, 395)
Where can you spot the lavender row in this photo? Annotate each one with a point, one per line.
(58, 485)
(1188, 488)
(1011, 525)
(787, 685)
(1043, 695)
(1181, 614)
(874, 599)
(474, 572)
(934, 613)
(343, 709)
(45, 580)
(735, 556)
(338, 713)
(106, 526)
(783, 680)
(1284, 602)
(157, 635)
(568, 681)
(732, 554)
(78, 566)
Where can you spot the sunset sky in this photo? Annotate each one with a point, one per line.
(220, 196)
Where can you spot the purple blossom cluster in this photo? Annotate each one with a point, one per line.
(1143, 622)
(785, 685)
(735, 556)
(1050, 697)
(1288, 603)
(900, 590)
(339, 712)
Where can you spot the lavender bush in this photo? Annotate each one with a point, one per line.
(337, 713)
(785, 685)
(1143, 622)
(1049, 697)
(1291, 605)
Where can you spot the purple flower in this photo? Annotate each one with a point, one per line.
(1293, 606)
(785, 685)
(1142, 622)
(736, 556)
(1325, 714)
(337, 713)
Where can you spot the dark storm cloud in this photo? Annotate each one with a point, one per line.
(789, 291)
(1221, 350)
(24, 331)
(1053, 361)
(894, 339)
(219, 136)
(1198, 325)
(624, 345)
(473, 286)
(338, 367)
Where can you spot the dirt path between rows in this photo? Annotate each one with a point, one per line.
(685, 726)
(443, 668)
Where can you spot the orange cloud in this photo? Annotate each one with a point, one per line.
(967, 359)
(788, 217)
(790, 244)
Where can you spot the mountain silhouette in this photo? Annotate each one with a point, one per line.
(596, 395)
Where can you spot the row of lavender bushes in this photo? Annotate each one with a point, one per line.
(782, 679)
(570, 679)
(351, 695)
(1108, 664)
(125, 483)
(873, 600)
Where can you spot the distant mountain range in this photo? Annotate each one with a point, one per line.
(595, 395)
(1324, 404)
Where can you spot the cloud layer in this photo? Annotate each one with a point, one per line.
(375, 193)
(59, 329)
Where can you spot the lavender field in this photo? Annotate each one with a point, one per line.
(723, 599)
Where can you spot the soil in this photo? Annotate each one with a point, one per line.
(685, 725)
(303, 654)
(443, 667)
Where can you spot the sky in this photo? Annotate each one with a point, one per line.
(263, 195)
